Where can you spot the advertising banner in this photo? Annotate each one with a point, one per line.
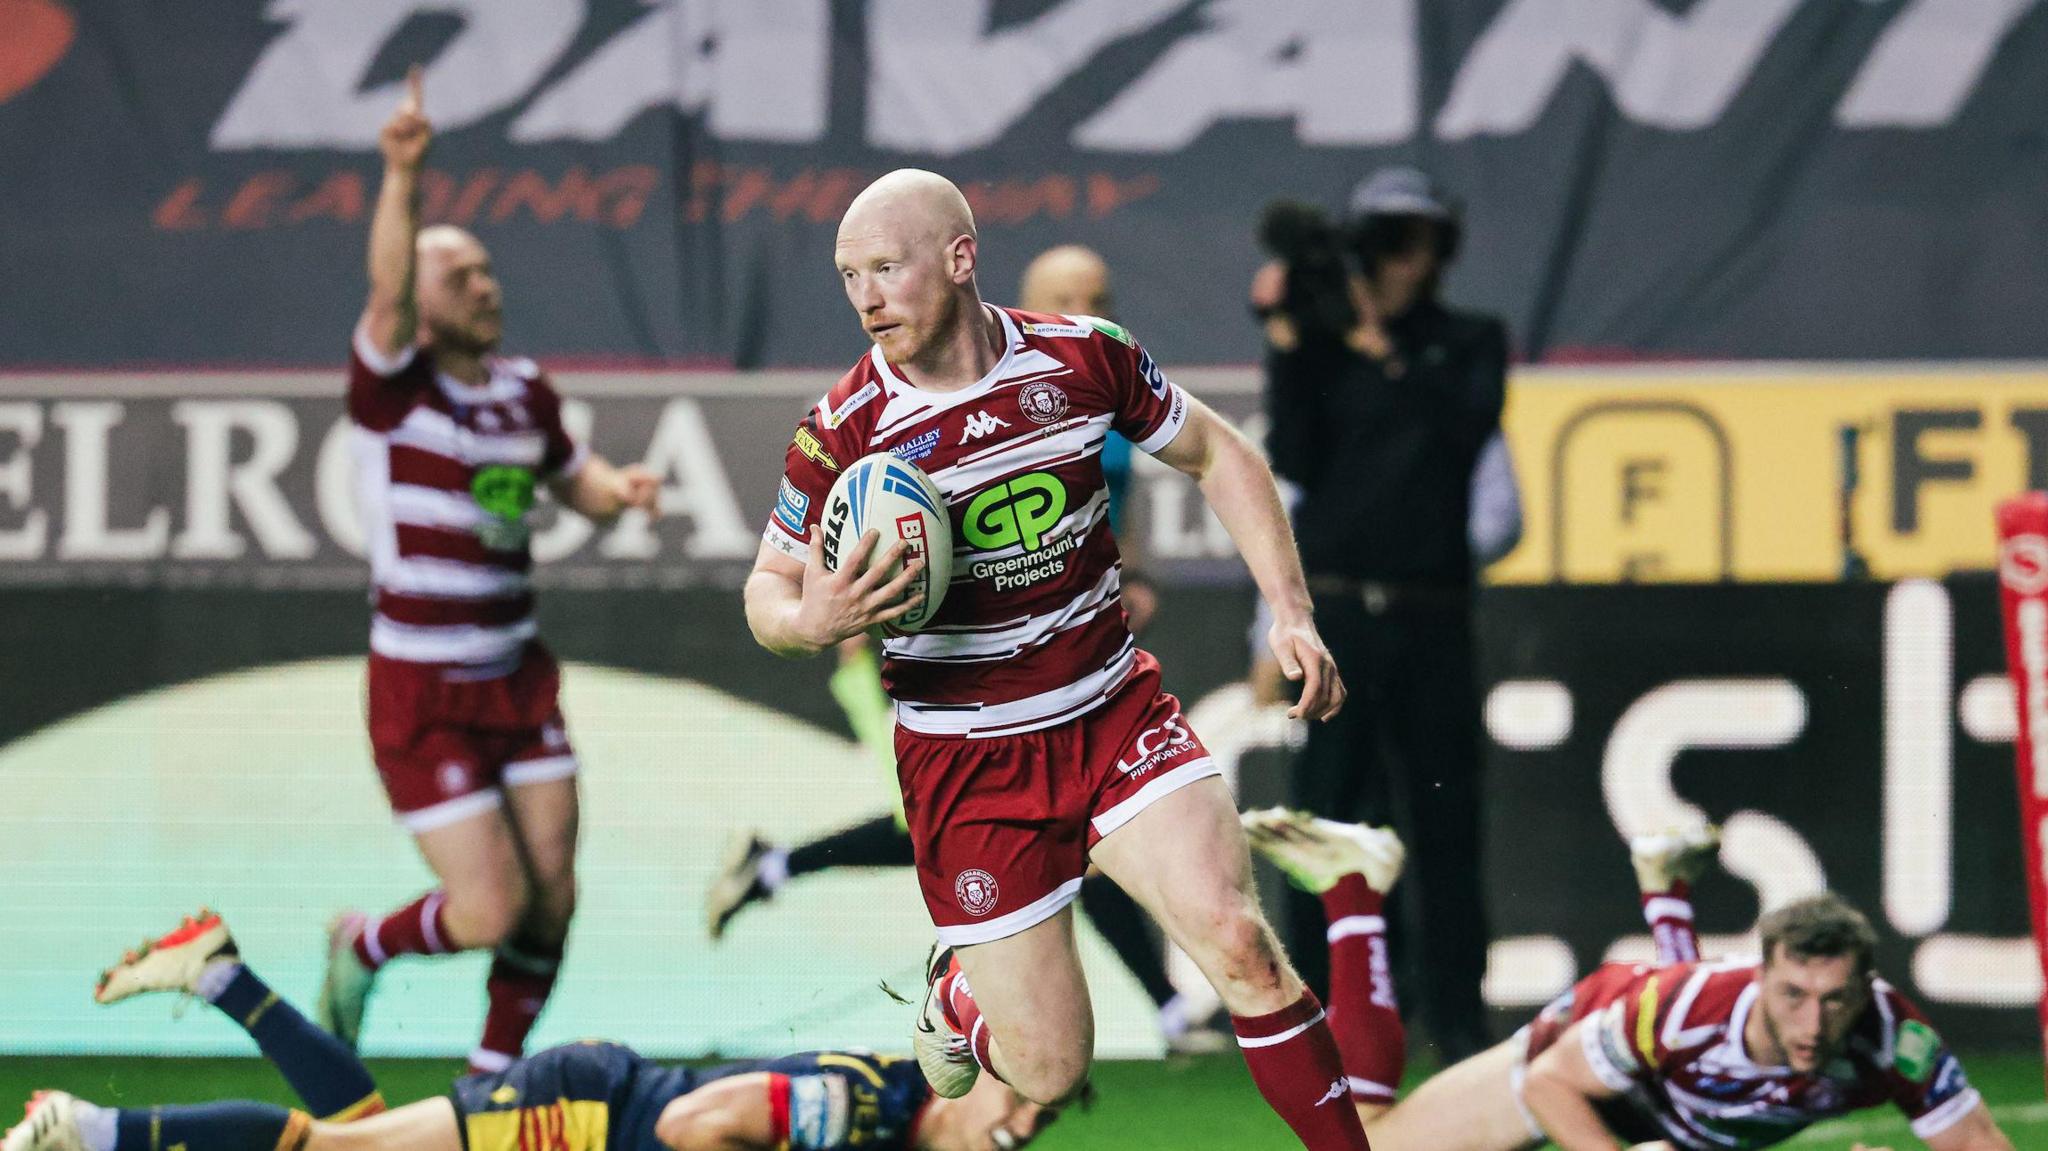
(661, 180)
(2023, 593)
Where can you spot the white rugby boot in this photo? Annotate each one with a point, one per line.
(1315, 853)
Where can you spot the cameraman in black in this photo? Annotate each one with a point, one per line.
(1385, 416)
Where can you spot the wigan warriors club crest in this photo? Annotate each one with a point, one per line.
(977, 891)
(1042, 402)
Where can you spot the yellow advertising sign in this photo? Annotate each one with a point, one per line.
(1689, 474)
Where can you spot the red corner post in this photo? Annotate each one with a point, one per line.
(2023, 596)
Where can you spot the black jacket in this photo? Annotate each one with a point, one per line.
(1384, 457)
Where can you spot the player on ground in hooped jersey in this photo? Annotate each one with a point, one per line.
(1732, 1055)
(1032, 734)
(451, 442)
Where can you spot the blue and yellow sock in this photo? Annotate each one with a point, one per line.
(325, 1074)
(239, 1126)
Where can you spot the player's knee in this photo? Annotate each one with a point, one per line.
(1049, 1078)
(1245, 956)
(487, 917)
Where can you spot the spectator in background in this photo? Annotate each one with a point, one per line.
(1385, 416)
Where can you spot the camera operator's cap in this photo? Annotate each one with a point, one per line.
(1402, 192)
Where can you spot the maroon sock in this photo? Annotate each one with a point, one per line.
(415, 929)
(1669, 914)
(1364, 1015)
(956, 999)
(518, 986)
(1293, 1058)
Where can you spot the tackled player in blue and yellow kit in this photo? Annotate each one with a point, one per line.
(590, 1096)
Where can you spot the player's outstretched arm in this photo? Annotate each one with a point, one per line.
(600, 489)
(390, 317)
(730, 1114)
(1976, 1131)
(800, 609)
(1240, 489)
(1560, 1090)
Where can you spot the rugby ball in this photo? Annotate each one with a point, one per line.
(882, 493)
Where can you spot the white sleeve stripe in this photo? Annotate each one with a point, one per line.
(374, 358)
(1947, 1115)
(785, 543)
(1176, 418)
(1596, 1054)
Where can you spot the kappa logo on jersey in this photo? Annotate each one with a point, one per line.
(1154, 378)
(976, 891)
(791, 506)
(851, 404)
(809, 446)
(980, 424)
(1155, 745)
(912, 450)
(1338, 1090)
(1041, 402)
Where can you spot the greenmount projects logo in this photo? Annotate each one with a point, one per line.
(1019, 512)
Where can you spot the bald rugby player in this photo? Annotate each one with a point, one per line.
(1033, 736)
(451, 444)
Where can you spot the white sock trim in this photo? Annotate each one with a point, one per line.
(1352, 925)
(429, 912)
(96, 1127)
(1665, 907)
(486, 1060)
(1366, 1088)
(214, 978)
(1284, 1036)
(372, 944)
(773, 869)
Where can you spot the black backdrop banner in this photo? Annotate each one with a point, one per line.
(1855, 736)
(661, 180)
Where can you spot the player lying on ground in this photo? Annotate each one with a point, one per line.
(1715, 1056)
(587, 1096)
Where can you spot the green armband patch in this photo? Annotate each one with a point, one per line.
(1113, 330)
(1914, 1051)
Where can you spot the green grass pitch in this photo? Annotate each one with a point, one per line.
(1182, 1105)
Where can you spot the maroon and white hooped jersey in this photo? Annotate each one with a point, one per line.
(1033, 632)
(1670, 1039)
(446, 474)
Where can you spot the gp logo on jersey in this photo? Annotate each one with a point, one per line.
(980, 424)
(976, 891)
(506, 494)
(1019, 511)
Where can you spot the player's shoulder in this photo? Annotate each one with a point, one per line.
(1055, 333)
(1684, 1006)
(1894, 1030)
(849, 408)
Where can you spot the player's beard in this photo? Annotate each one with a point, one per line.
(477, 336)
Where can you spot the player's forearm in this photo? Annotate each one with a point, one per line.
(391, 313)
(1566, 1115)
(772, 604)
(1240, 490)
(595, 492)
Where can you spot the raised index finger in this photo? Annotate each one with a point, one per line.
(415, 90)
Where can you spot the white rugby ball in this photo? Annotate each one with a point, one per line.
(881, 493)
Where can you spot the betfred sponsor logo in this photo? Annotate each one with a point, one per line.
(1157, 745)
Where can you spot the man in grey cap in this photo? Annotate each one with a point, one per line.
(1385, 415)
